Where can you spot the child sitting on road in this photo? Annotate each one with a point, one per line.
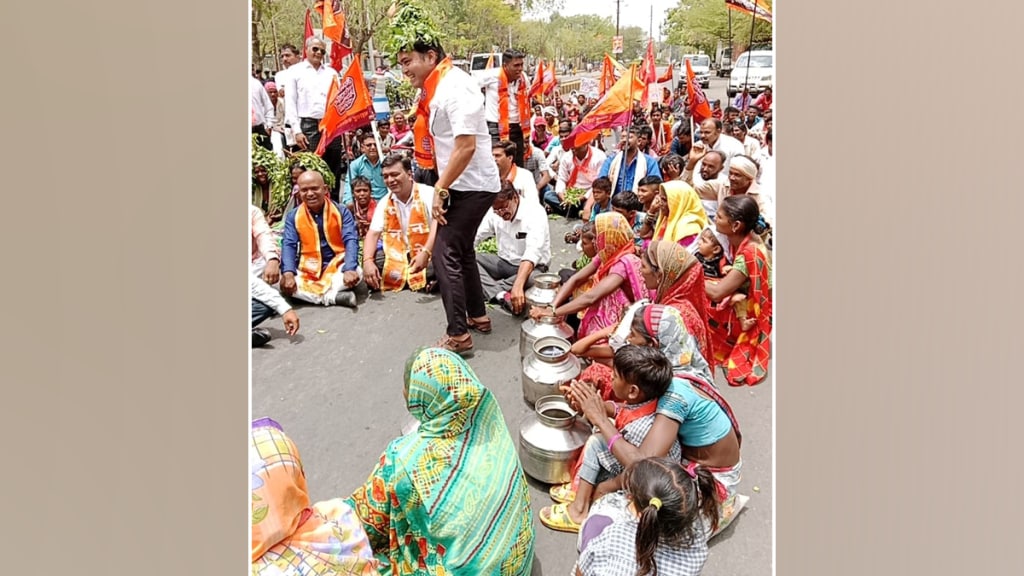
(640, 376)
(601, 192)
(362, 205)
(627, 204)
(710, 253)
(665, 511)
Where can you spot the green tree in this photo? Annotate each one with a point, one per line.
(702, 23)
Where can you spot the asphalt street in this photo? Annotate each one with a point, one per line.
(336, 388)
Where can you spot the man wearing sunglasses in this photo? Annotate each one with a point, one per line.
(307, 85)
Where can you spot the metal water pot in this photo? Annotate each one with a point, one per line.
(544, 289)
(550, 439)
(544, 326)
(550, 365)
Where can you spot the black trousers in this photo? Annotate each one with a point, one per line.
(334, 154)
(455, 259)
(515, 134)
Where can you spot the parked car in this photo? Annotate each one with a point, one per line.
(761, 73)
(701, 64)
(478, 62)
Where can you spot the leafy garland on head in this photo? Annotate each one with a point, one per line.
(280, 172)
(275, 171)
(410, 24)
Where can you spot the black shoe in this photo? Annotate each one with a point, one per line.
(260, 336)
(346, 299)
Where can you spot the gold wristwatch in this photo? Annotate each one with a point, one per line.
(442, 193)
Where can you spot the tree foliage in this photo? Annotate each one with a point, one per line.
(702, 23)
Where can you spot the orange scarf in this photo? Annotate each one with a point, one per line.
(423, 150)
(576, 165)
(311, 279)
(397, 250)
(525, 113)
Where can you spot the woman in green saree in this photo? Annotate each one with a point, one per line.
(449, 498)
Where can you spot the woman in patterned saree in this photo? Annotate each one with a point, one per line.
(743, 354)
(449, 497)
(613, 277)
(290, 536)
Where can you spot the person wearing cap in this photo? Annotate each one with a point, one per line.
(541, 137)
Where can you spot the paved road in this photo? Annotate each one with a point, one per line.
(336, 388)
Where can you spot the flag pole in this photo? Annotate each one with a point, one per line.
(750, 47)
(629, 123)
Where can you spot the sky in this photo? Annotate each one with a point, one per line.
(631, 12)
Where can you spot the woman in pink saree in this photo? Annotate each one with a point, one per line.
(613, 277)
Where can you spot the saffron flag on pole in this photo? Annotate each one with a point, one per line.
(613, 109)
(759, 8)
(699, 107)
(607, 76)
(549, 81)
(538, 79)
(648, 73)
(667, 76)
(349, 106)
(333, 23)
(490, 61)
(307, 32)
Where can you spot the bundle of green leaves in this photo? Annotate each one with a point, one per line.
(410, 24)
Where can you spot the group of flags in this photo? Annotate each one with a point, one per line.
(349, 105)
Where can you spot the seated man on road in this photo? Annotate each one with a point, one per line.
(367, 166)
(504, 153)
(265, 303)
(403, 220)
(524, 248)
(321, 247)
(266, 256)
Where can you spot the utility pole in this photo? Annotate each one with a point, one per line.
(617, 2)
(650, 24)
(373, 60)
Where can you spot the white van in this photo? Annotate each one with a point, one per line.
(761, 74)
(478, 63)
(701, 64)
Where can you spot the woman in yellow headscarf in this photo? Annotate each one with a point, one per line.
(681, 216)
(290, 536)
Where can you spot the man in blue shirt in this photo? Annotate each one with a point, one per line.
(320, 251)
(368, 166)
(625, 177)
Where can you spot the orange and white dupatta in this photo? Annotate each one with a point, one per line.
(525, 112)
(290, 536)
(399, 246)
(310, 278)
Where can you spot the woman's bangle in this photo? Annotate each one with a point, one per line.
(612, 441)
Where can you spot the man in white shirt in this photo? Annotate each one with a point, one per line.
(511, 71)
(289, 57)
(404, 254)
(306, 89)
(262, 112)
(578, 168)
(265, 303)
(459, 143)
(504, 153)
(524, 248)
(714, 139)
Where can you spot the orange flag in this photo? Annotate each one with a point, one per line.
(699, 107)
(613, 109)
(549, 81)
(349, 106)
(648, 73)
(490, 61)
(538, 79)
(667, 77)
(607, 76)
(333, 23)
